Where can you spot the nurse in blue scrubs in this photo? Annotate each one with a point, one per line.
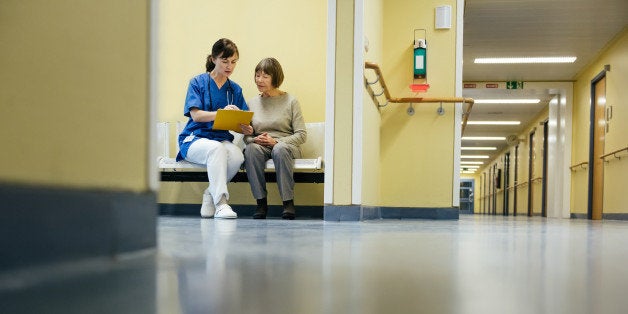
(199, 142)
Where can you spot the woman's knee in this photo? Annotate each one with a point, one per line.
(281, 150)
(252, 150)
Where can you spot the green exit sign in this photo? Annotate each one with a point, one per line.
(514, 85)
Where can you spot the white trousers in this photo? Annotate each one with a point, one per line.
(223, 161)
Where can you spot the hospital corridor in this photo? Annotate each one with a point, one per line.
(376, 157)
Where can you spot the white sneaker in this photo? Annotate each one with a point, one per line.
(224, 211)
(208, 208)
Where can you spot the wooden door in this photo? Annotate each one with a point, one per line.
(598, 127)
(544, 180)
(530, 172)
(516, 182)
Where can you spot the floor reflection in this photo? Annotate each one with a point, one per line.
(479, 264)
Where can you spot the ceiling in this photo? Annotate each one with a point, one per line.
(534, 28)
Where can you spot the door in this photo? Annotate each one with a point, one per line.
(544, 180)
(506, 183)
(530, 172)
(515, 187)
(596, 147)
(466, 196)
(494, 194)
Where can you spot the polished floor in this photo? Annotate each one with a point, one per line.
(478, 264)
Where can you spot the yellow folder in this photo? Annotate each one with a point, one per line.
(231, 119)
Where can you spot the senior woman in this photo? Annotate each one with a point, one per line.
(276, 131)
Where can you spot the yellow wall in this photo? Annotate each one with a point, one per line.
(294, 32)
(417, 151)
(373, 31)
(615, 171)
(74, 96)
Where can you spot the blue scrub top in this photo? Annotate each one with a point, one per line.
(198, 97)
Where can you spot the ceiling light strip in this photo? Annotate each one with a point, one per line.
(478, 148)
(568, 59)
(483, 138)
(508, 101)
(494, 122)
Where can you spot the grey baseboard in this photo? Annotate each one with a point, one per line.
(617, 216)
(360, 213)
(40, 225)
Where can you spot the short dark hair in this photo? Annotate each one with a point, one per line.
(224, 48)
(271, 67)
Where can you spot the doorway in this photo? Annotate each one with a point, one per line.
(467, 196)
(530, 172)
(516, 182)
(596, 147)
(506, 183)
(544, 179)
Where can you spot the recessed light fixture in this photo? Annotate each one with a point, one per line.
(471, 167)
(478, 148)
(483, 138)
(464, 162)
(468, 171)
(494, 122)
(525, 60)
(507, 101)
(474, 156)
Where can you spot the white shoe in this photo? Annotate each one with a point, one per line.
(224, 211)
(208, 208)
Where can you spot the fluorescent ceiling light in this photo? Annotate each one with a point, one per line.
(471, 167)
(467, 171)
(478, 148)
(483, 138)
(507, 101)
(475, 156)
(525, 60)
(463, 162)
(494, 122)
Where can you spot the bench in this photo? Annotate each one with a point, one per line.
(308, 169)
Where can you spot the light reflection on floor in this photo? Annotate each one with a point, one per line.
(479, 264)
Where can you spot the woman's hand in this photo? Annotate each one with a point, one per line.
(265, 140)
(246, 129)
(231, 107)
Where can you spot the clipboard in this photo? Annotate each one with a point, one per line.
(231, 119)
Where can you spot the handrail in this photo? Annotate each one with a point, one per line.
(521, 184)
(582, 165)
(536, 179)
(380, 78)
(614, 154)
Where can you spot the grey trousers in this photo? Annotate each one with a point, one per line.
(283, 155)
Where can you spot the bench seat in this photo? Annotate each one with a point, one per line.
(309, 169)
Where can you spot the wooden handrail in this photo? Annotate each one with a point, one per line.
(614, 154)
(582, 165)
(380, 76)
(536, 179)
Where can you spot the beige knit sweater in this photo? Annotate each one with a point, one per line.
(280, 117)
